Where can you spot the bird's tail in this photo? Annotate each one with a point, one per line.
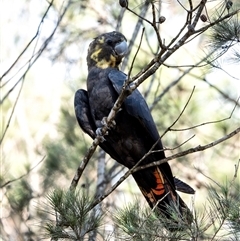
(161, 195)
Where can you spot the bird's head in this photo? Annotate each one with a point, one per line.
(107, 50)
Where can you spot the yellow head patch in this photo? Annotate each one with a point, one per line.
(96, 53)
(107, 50)
(102, 61)
(103, 64)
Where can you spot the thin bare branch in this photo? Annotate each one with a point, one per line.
(180, 154)
(24, 175)
(227, 16)
(200, 9)
(11, 115)
(155, 27)
(181, 113)
(176, 147)
(134, 58)
(84, 162)
(36, 55)
(192, 150)
(135, 33)
(209, 122)
(30, 42)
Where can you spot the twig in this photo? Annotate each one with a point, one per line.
(156, 28)
(235, 173)
(38, 54)
(221, 92)
(181, 113)
(141, 17)
(11, 114)
(200, 171)
(208, 122)
(30, 42)
(191, 150)
(18, 178)
(229, 15)
(189, 16)
(180, 154)
(176, 147)
(236, 169)
(134, 58)
(135, 33)
(200, 9)
(84, 163)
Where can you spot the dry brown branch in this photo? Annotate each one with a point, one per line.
(193, 150)
(85, 161)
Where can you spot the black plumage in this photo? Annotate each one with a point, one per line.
(134, 132)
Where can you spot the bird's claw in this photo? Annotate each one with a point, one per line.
(100, 134)
(107, 125)
(110, 125)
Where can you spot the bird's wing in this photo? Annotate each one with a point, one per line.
(135, 104)
(82, 112)
(85, 121)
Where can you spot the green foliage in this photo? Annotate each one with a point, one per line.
(64, 152)
(224, 208)
(55, 162)
(224, 38)
(225, 34)
(19, 195)
(75, 219)
(67, 125)
(220, 218)
(138, 223)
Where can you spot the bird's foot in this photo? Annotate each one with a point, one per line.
(110, 125)
(100, 134)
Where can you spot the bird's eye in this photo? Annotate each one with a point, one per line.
(109, 42)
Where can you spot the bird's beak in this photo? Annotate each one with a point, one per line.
(121, 48)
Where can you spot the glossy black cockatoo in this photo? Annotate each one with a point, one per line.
(134, 131)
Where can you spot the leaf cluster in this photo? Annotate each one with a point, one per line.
(74, 220)
(19, 195)
(225, 36)
(218, 221)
